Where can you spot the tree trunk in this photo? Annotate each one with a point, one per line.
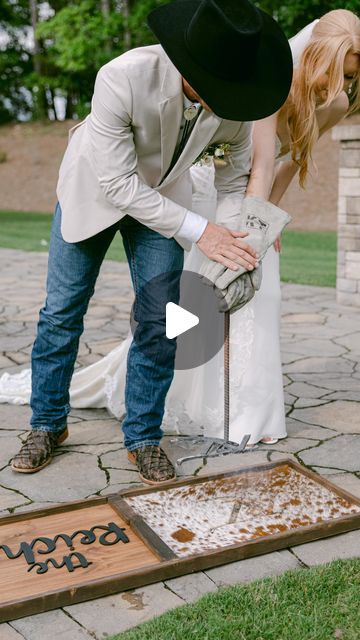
(105, 7)
(127, 32)
(105, 10)
(41, 105)
(69, 112)
(52, 103)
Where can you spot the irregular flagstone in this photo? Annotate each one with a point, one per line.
(319, 365)
(15, 343)
(10, 499)
(105, 346)
(120, 487)
(332, 382)
(9, 445)
(286, 380)
(303, 390)
(116, 459)
(290, 445)
(340, 415)
(5, 362)
(351, 342)
(302, 291)
(12, 327)
(287, 357)
(316, 332)
(347, 481)
(87, 360)
(114, 614)
(341, 452)
(19, 357)
(95, 432)
(91, 414)
(277, 456)
(7, 433)
(344, 395)
(73, 420)
(119, 476)
(324, 471)
(70, 476)
(34, 506)
(302, 318)
(95, 449)
(84, 349)
(191, 587)
(52, 624)
(314, 347)
(302, 403)
(15, 417)
(289, 398)
(8, 633)
(298, 429)
(270, 564)
(305, 331)
(338, 547)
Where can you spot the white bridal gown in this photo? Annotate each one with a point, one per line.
(195, 401)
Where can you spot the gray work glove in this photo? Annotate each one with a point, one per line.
(240, 291)
(264, 222)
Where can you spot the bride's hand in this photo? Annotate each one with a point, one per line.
(277, 244)
(226, 247)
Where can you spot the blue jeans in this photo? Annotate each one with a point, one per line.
(72, 272)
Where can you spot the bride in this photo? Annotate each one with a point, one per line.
(326, 57)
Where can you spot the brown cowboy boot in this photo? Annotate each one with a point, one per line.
(154, 466)
(37, 450)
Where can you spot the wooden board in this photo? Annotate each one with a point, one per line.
(61, 555)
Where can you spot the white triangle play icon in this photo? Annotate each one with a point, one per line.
(178, 320)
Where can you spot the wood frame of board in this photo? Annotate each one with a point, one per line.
(147, 560)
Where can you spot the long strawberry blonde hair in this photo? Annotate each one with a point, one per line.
(335, 35)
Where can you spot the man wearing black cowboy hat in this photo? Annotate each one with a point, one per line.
(220, 64)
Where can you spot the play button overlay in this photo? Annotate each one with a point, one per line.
(176, 315)
(178, 320)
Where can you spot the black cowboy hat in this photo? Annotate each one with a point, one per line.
(232, 54)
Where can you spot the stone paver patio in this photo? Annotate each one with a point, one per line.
(320, 353)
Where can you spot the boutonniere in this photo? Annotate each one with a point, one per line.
(219, 153)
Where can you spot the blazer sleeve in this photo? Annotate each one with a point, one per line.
(114, 158)
(231, 180)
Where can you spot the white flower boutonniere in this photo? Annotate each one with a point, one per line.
(218, 153)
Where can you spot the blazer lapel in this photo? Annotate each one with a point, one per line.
(200, 136)
(171, 110)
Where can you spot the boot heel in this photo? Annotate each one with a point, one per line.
(63, 436)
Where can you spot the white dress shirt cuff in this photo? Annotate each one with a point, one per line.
(192, 227)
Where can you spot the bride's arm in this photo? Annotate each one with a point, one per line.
(327, 118)
(263, 157)
(284, 174)
(262, 181)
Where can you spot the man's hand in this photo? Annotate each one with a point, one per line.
(227, 247)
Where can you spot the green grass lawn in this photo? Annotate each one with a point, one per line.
(309, 604)
(31, 232)
(307, 257)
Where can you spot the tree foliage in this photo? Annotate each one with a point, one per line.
(75, 38)
(293, 15)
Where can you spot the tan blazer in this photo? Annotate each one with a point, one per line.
(117, 157)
